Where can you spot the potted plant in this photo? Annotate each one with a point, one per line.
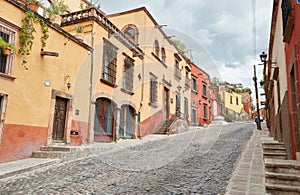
(57, 8)
(33, 4)
(6, 47)
(79, 32)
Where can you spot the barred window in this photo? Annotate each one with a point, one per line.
(109, 62)
(205, 111)
(163, 55)
(6, 61)
(128, 73)
(153, 89)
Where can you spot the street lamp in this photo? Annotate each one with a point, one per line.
(256, 97)
(263, 57)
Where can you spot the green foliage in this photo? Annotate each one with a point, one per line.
(219, 97)
(26, 37)
(180, 45)
(244, 90)
(57, 7)
(79, 28)
(5, 45)
(215, 82)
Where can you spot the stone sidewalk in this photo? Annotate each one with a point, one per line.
(249, 175)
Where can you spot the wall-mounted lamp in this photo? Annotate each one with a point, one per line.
(200, 102)
(262, 83)
(179, 88)
(67, 78)
(263, 58)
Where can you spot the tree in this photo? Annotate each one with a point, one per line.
(215, 82)
(180, 45)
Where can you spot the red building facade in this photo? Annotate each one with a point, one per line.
(291, 31)
(201, 97)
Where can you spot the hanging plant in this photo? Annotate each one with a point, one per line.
(26, 37)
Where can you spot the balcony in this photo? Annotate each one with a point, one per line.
(177, 73)
(187, 82)
(99, 17)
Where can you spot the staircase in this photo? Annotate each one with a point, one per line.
(274, 150)
(66, 152)
(282, 176)
(163, 127)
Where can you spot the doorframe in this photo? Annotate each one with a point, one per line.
(166, 85)
(68, 121)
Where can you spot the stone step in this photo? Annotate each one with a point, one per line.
(273, 155)
(273, 150)
(283, 178)
(282, 166)
(56, 148)
(282, 189)
(50, 154)
(273, 144)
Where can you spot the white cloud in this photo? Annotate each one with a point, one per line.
(217, 32)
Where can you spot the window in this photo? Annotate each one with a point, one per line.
(128, 73)
(205, 111)
(187, 80)
(6, 62)
(126, 121)
(109, 62)
(131, 32)
(230, 99)
(177, 70)
(194, 116)
(204, 90)
(163, 55)
(156, 48)
(237, 100)
(194, 84)
(153, 89)
(287, 19)
(186, 108)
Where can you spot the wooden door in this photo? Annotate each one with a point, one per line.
(167, 102)
(59, 118)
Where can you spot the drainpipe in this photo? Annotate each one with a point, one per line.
(91, 139)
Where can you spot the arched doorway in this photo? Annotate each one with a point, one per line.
(104, 122)
(127, 122)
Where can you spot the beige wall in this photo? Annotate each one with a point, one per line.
(148, 33)
(279, 58)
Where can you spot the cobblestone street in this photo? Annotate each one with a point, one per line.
(197, 162)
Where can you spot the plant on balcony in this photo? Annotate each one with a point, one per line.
(33, 4)
(26, 36)
(57, 8)
(79, 32)
(6, 47)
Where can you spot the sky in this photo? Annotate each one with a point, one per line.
(219, 35)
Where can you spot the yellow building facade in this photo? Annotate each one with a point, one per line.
(123, 79)
(233, 101)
